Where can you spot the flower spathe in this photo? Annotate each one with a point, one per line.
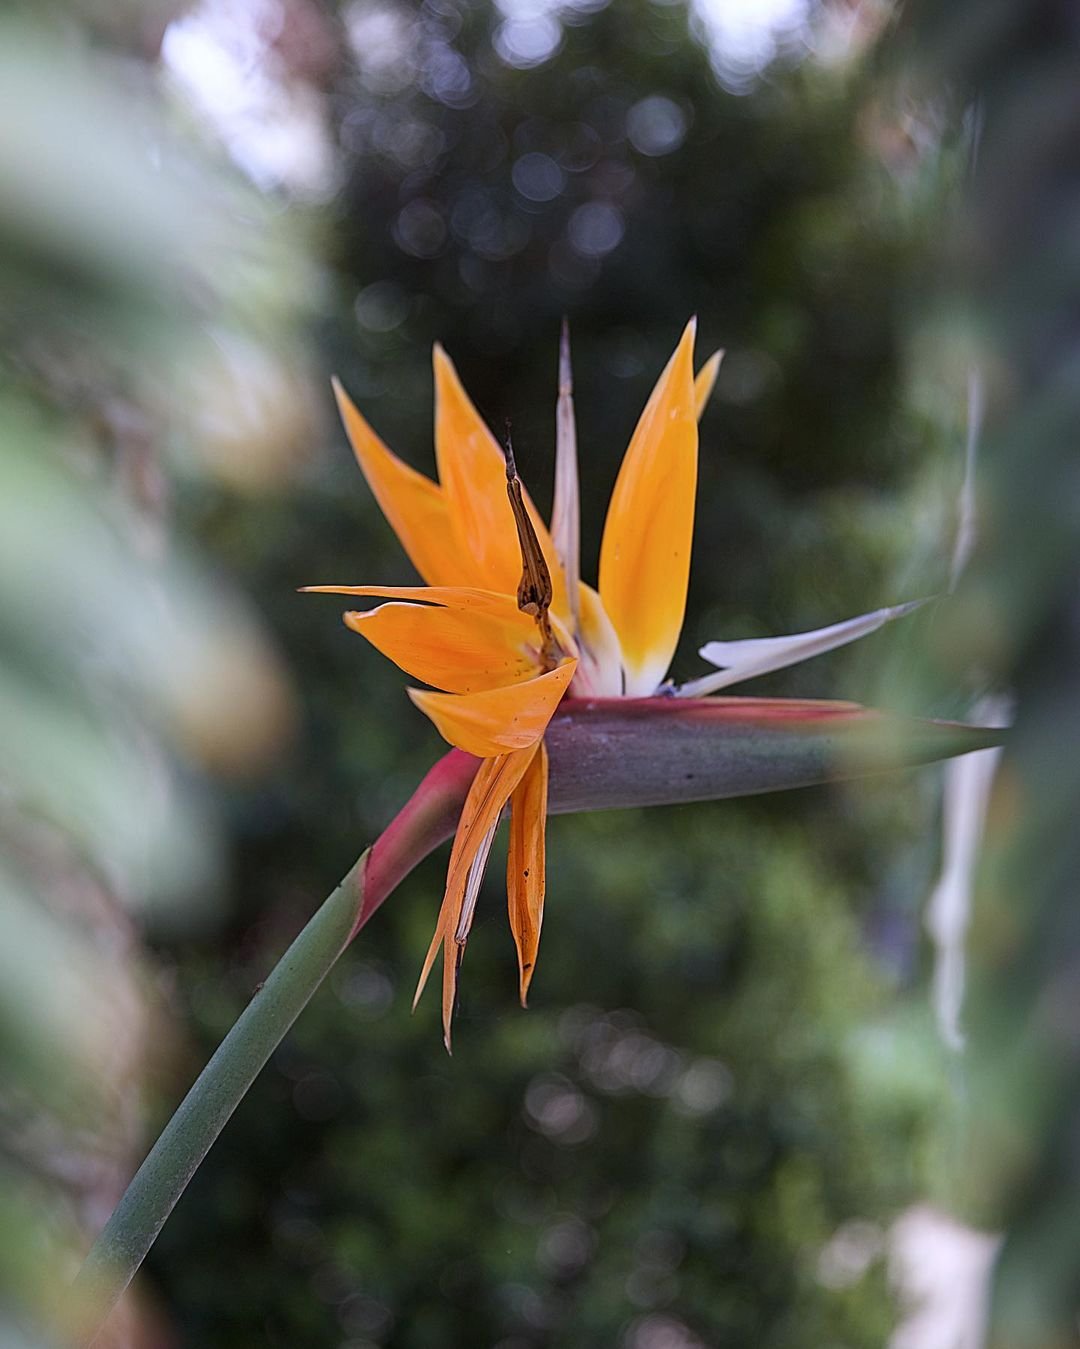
(504, 628)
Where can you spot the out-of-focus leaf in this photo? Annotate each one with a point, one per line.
(75, 592)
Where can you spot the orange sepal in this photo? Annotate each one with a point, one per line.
(645, 553)
(525, 866)
(497, 721)
(460, 640)
(472, 472)
(492, 787)
(414, 506)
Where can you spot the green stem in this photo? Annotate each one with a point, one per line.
(204, 1112)
(427, 818)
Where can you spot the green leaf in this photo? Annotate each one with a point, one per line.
(205, 1110)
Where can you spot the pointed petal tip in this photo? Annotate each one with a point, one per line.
(421, 984)
(705, 381)
(748, 658)
(442, 367)
(345, 404)
(909, 606)
(683, 359)
(565, 370)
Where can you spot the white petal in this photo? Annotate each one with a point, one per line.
(472, 886)
(566, 511)
(761, 655)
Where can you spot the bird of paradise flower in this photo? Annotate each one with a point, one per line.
(504, 628)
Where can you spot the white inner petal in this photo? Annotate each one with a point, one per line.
(472, 886)
(761, 655)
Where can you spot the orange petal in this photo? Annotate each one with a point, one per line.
(525, 866)
(414, 506)
(452, 649)
(472, 472)
(460, 640)
(471, 598)
(492, 787)
(645, 553)
(705, 383)
(497, 721)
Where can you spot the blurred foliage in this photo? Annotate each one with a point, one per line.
(1015, 282)
(129, 672)
(723, 1093)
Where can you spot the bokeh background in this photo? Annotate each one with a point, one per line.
(736, 1112)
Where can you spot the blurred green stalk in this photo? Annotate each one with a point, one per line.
(205, 1110)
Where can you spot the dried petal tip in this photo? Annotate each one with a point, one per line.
(508, 453)
(534, 591)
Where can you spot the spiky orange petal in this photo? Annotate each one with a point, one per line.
(472, 472)
(526, 865)
(414, 506)
(497, 721)
(452, 649)
(460, 640)
(645, 552)
(492, 787)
